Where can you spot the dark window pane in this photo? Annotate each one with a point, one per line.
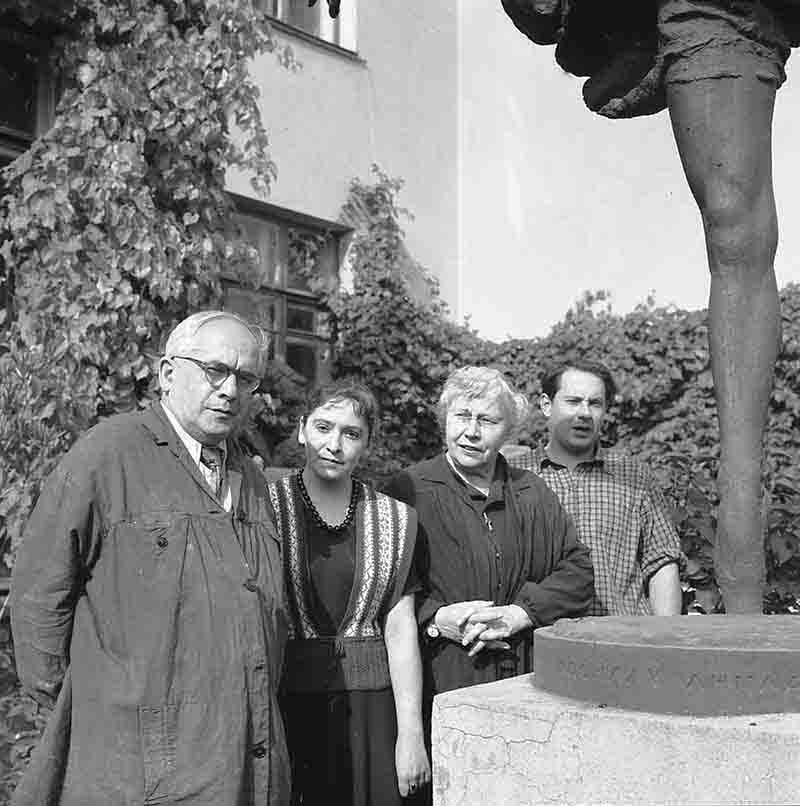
(303, 249)
(311, 254)
(258, 308)
(302, 358)
(301, 15)
(265, 237)
(314, 20)
(17, 88)
(300, 318)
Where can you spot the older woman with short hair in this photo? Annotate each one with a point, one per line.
(497, 554)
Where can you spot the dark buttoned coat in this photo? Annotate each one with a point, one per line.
(155, 620)
(516, 546)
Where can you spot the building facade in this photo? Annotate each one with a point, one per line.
(378, 85)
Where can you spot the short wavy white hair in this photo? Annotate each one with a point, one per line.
(182, 337)
(484, 382)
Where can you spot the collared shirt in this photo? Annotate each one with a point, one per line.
(621, 515)
(194, 448)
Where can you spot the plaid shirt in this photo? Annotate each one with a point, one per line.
(621, 516)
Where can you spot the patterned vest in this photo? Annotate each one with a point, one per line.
(354, 659)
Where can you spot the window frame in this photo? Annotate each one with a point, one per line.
(14, 142)
(271, 9)
(275, 283)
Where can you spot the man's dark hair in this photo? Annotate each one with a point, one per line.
(551, 380)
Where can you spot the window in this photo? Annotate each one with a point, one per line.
(27, 90)
(316, 21)
(292, 250)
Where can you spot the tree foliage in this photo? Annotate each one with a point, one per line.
(117, 218)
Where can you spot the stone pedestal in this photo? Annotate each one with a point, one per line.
(513, 742)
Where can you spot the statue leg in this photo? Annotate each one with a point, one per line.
(723, 130)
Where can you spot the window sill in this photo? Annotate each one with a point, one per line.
(322, 44)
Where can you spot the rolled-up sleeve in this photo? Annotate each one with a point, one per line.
(660, 542)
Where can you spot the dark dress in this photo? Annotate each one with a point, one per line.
(341, 743)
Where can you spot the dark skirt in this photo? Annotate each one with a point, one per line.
(341, 746)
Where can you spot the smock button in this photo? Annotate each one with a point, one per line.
(251, 585)
(162, 542)
(260, 751)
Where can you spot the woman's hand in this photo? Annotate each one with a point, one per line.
(492, 624)
(411, 761)
(453, 621)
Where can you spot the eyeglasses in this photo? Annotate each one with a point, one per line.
(466, 418)
(217, 373)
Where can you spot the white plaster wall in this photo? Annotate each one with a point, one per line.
(396, 105)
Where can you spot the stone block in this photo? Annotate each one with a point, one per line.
(511, 744)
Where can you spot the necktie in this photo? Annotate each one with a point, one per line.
(211, 458)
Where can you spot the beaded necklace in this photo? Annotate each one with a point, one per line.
(317, 518)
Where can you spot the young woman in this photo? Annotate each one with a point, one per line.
(352, 681)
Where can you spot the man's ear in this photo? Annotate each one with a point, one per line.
(165, 371)
(545, 405)
(301, 437)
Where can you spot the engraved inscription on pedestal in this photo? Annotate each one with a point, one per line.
(703, 665)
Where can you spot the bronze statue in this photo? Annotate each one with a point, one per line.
(716, 65)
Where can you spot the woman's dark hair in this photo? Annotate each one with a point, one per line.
(364, 403)
(551, 380)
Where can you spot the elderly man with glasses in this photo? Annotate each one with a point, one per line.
(147, 604)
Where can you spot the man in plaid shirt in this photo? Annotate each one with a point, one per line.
(618, 510)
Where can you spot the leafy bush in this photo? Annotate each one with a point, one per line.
(21, 720)
(40, 416)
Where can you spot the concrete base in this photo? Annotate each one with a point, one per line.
(508, 744)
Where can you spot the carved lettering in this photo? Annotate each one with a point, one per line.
(694, 680)
(615, 675)
(769, 681)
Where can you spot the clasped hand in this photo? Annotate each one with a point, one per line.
(481, 623)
